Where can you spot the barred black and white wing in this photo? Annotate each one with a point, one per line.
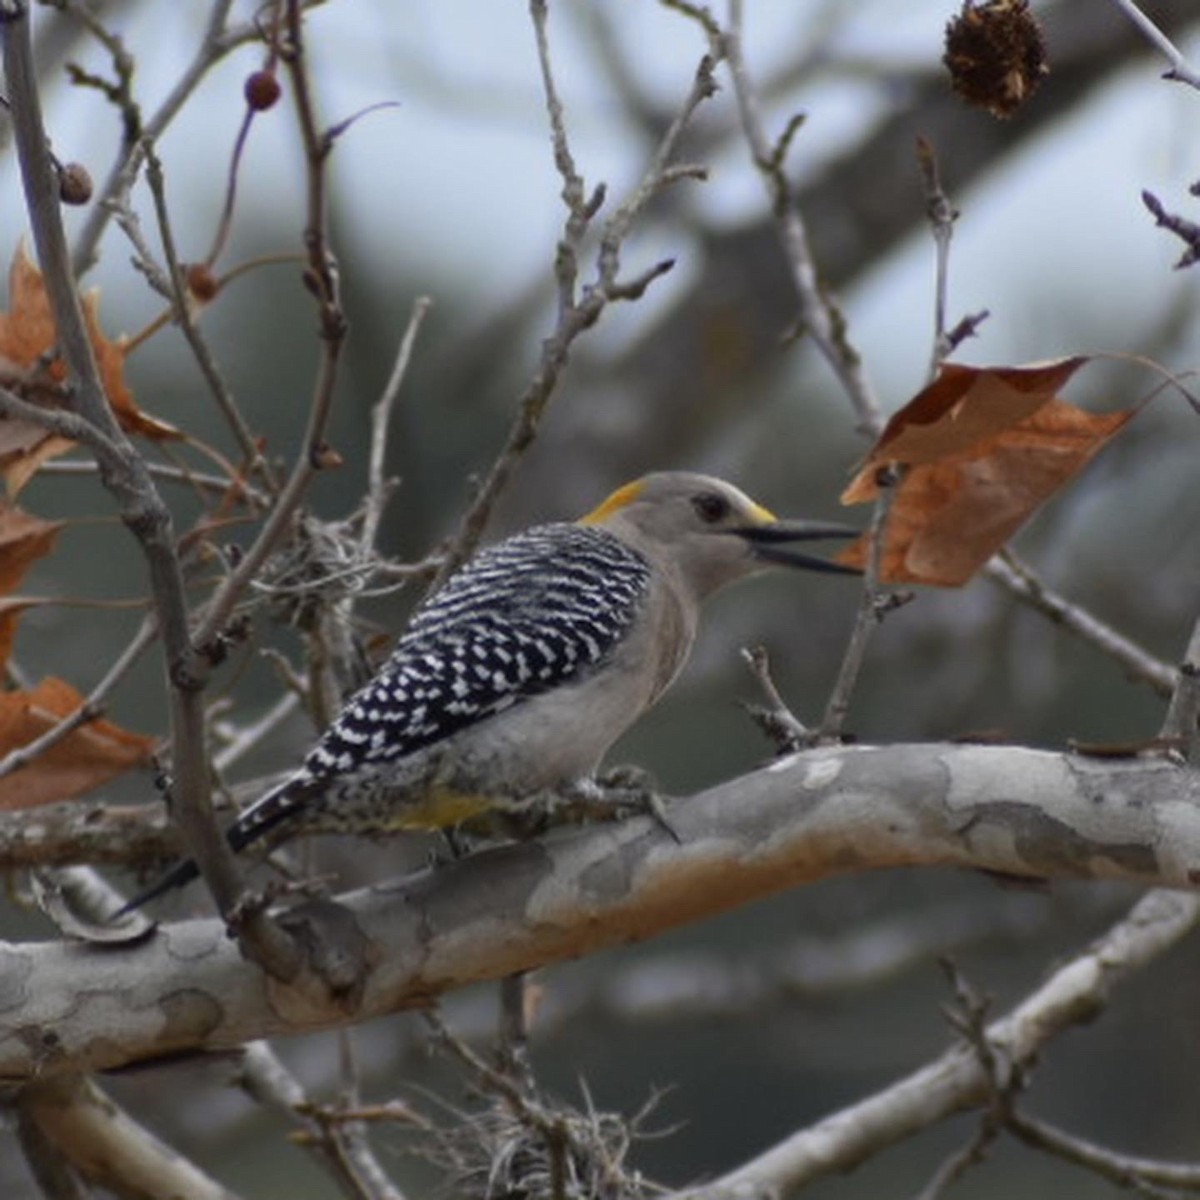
(524, 616)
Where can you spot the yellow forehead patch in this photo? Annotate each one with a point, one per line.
(762, 516)
(618, 500)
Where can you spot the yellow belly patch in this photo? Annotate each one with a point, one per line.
(440, 808)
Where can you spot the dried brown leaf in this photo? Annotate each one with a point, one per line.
(86, 758)
(983, 448)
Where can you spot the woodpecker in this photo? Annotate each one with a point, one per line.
(516, 677)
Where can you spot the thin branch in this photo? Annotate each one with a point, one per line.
(1182, 720)
(64, 423)
(1125, 1170)
(122, 470)
(576, 312)
(322, 278)
(221, 485)
(381, 419)
(942, 215)
(1180, 70)
(254, 461)
(956, 1079)
(818, 312)
(217, 41)
(244, 738)
(1010, 572)
(1186, 231)
(778, 721)
(108, 1148)
(873, 605)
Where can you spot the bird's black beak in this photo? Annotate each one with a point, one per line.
(772, 542)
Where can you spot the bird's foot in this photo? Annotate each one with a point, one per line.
(619, 793)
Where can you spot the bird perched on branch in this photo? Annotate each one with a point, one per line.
(516, 677)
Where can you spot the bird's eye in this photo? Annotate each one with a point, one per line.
(711, 507)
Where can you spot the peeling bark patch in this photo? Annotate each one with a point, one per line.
(189, 1016)
(820, 773)
(1038, 837)
(15, 969)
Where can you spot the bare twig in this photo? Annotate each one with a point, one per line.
(778, 721)
(873, 605)
(818, 312)
(381, 417)
(1188, 232)
(942, 215)
(1010, 572)
(106, 1146)
(245, 738)
(956, 1079)
(1182, 720)
(221, 485)
(254, 462)
(321, 276)
(122, 470)
(218, 40)
(65, 424)
(1125, 1170)
(972, 1154)
(1180, 70)
(577, 311)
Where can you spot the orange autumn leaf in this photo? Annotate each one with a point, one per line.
(983, 448)
(10, 615)
(86, 758)
(23, 540)
(24, 447)
(961, 406)
(27, 333)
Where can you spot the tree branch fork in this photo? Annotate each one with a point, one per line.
(809, 816)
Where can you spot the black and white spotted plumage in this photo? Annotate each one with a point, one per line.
(515, 679)
(526, 615)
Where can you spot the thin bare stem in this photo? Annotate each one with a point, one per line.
(218, 40)
(381, 419)
(122, 469)
(322, 277)
(872, 606)
(1182, 720)
(577, 312)
(1018, 577)
(957, 1080)
(253, 459)
(246, 737)
(1125, 1170)
(1180, 70)
(778, 721)
(942, 215)
(819, 314)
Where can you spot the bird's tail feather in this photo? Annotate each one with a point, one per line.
(260, 819)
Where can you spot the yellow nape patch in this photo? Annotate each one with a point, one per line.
(617, 501)
(440, 808)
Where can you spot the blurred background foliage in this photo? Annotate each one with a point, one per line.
(453, 195)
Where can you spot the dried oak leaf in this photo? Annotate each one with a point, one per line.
(983, 448)
(11, 610)
(24, 539)
(26, 334)
(86, 758)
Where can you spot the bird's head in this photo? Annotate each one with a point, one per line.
(710, 531)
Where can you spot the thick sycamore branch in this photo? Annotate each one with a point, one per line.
(806, 817)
